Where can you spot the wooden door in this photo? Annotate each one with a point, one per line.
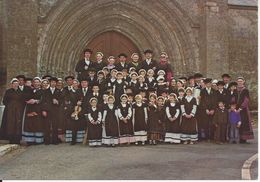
(112, 44)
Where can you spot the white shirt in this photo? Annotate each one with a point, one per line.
(172, 104)
(150, 79)
(188, 98)
(110, 106)
(87, 61)
(21, 87)
(95, 94)
(52, 90)
(139, 104)
(84, 91)
(134, 81)
(112, 79)
(208, 90)
(119, 81)
(148, 61)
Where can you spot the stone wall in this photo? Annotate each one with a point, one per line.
(18, 38)
(242, 47)
(210, 36)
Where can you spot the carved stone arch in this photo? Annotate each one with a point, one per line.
(63, 35)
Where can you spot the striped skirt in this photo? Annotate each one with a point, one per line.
(33, 137)
(79, 138)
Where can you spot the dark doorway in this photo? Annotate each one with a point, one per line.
(112, 43)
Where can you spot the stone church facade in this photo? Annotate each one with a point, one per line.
(209, 36)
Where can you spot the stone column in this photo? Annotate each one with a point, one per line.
(2, 60)
(20, 37)
(214, 38)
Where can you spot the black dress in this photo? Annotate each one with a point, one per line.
(94, 134)
(119, 89)
(126, 129)
(12, 116)
(52, 121)
(173, 132)
(111, 125)
(189, 125)
(245, 130)
(151, 83)
(33, 122)
(134, 87)
(140, 117)
(155, 122)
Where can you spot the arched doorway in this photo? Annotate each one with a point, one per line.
(112, 43)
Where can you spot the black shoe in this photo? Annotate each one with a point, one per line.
(72, 143)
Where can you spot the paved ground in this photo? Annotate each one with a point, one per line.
(201, 161)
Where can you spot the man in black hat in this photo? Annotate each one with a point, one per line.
(197, 77)
(226, 79)
(51, 101)
(184, 80)
(84, 65)
(26, 91)
(22, 87)
(46, 77)
(81, 101)
(67, 98)
(222, 93)
(92, 77)
(69, 81)
(122, 64)
(191, 81)
(208, 104)
(149, 63)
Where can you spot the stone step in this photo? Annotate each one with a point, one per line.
(4, 149)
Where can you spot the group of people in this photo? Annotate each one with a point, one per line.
(124, 102)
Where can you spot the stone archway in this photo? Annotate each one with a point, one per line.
(160, 25)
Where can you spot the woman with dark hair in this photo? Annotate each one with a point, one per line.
(246, 131)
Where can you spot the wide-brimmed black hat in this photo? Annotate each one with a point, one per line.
(122, 54)
(92, 70)
(20, 76)
(53, 79)
(68, 77)
(28, 79)
(190, 77)
(207, 80)
(148, 51)
(232, 84)
(220, 83)
(88, 50)
(197, 75)
(46, 76)
(226, 75)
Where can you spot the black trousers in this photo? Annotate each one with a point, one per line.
(51, 131)
(15, 139)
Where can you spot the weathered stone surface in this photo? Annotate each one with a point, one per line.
(243, 48)
(210, 36)
(243, 2)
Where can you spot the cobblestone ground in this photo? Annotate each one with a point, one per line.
(200, 161)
